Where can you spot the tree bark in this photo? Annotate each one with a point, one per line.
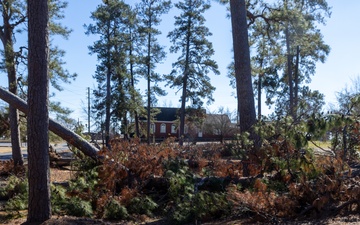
(245, 94)
(185, 81)
(259, 96)
(132, 79)
(54, 126)
(108, 95)
(289, 73)
(6, 35)
(296, 81)
(148, 74)
(39, 206)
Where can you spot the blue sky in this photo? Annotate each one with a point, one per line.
(341, 66)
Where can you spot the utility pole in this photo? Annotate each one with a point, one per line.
(89, 110)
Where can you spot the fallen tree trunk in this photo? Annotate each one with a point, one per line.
(58, 129)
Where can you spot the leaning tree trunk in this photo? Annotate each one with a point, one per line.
(39, 206)
(58, 129)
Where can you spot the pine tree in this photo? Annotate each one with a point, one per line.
(194, 63)
(149, 12)
(111, 23)
(294, 46)
(134, 55)
(39, 209)
(13, 16)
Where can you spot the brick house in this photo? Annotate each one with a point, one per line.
(165, 124)
(215, 127)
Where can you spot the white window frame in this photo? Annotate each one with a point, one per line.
(152, 128)
(173, 128)
(163, 128)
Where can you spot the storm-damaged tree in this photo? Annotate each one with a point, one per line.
(149, 13)
(13, 19)
(39, 208)
(190, 71)
(13, 16)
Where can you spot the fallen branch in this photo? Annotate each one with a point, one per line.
(58, 129)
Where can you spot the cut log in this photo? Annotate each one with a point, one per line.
(58, 129)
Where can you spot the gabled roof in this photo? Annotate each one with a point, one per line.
(166, 114)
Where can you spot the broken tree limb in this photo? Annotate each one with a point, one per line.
(58, 129)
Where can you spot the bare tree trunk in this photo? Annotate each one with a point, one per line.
(6, 36)
(185, 80)
(148, 74)
(289, 73)
(55, 127)
(108, 104)
(132, 79)
(259, 96)
(39, 209)
(245, 94)
(296, 81)
(14, 119)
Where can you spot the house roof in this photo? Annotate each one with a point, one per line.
(166, 114)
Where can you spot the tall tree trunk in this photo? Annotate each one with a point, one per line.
(39, 209)
(296, 81)
(7, 40)
(289, 73)
(185, 80)
(149, 86)
(132, 79)
(108, 94)
(259, 96)
(259, 87)
(58, 129)
(245, 94)
(107, 109)
(14, 117)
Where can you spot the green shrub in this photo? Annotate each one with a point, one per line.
(17, 203)
(78, 207)
(209, 205)
(115, 211)
(16, 191)
(142, 205)
(189, 204)
(15, 185)
(59, 199)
